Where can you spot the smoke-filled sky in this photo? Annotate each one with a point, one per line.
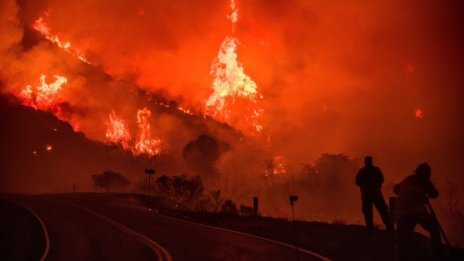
(357, 77)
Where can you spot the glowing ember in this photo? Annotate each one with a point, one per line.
(146, 144)
(232, 89)
(48, 147)
(418, 113)
(185, 110)
(117, 131)
(42, 25)
(46, 96)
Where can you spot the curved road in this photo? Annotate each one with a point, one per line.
(86, 228)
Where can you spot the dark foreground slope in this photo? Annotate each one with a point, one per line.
(150, 216)
(21, 236)
(109, 227)
(336, 241)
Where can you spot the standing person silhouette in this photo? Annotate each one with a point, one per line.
(370, 179)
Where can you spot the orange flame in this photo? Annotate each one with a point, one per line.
(146, 144)
(232, 88)
(44, 97)
(42, 25)
(117, 131)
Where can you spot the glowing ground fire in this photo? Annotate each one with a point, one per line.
(45, 96)
(146, 144)
(118, 133)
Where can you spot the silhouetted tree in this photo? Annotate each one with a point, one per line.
(110, 180)
(329, 181)
(162, 185)
(202, 153)
(337, 172)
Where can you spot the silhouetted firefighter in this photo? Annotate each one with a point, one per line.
(370, 179)
(411, 209)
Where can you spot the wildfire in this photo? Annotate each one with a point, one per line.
(146, 144)
(117, 131)
(42, 25)
(44, 97)
(232, 88)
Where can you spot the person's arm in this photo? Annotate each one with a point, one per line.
(432, 192)
(381, 180)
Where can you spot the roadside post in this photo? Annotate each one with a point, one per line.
(293, 199)
(255, 206)
(149, 172)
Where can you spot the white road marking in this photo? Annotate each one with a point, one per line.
(252, 236)
(160, 251)
(44, 229)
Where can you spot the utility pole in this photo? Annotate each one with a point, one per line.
(149, 172)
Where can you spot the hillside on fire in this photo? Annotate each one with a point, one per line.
(41, 153)
(318, 110)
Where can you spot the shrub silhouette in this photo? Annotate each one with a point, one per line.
(229, 207)
(182, 189)
(110, 181)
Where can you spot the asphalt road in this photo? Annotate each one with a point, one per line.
(88, 228)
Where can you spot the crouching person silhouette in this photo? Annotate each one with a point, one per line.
(370, 180)
(413, 193)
